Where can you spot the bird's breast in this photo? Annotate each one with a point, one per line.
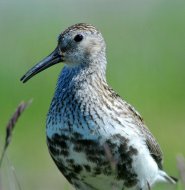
(87, 139)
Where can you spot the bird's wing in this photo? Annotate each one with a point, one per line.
(153, 146)
(150, 140)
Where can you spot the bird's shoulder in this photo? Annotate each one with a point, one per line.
(123, 105)
(131, 112)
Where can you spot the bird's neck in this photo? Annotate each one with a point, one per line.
(81, 77)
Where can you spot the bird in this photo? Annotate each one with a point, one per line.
(97, 140)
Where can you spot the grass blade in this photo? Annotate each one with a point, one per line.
(11, 125)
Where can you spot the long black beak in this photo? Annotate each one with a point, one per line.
(47, 62)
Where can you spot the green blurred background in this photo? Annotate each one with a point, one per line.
(146, 66)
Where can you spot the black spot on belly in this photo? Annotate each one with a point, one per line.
(70, 176)
(70, 161)
(58, 145)
(118, 162)
(91, 148)
(120, 155)
(76, 168)
(124, 166)
(87, 168)
(97, 170)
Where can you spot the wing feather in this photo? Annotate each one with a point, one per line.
(130, 111)
(151, 142)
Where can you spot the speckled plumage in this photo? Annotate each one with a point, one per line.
(97, 140)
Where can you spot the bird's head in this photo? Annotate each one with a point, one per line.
(78, 45)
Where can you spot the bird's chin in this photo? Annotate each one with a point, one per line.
(71, 64)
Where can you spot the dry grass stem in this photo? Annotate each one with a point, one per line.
(11, 125)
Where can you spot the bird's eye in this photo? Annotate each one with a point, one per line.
(78, 38)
